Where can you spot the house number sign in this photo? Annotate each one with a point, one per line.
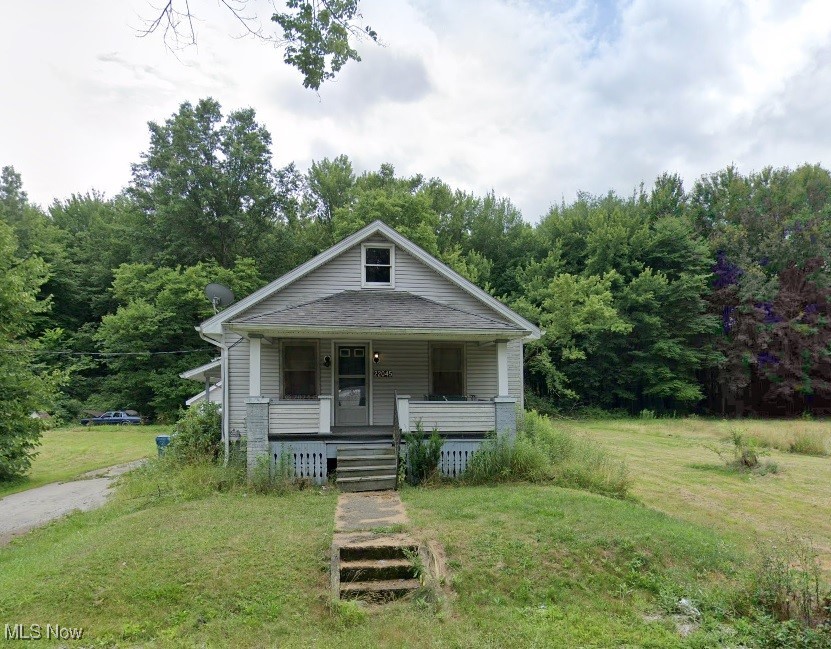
(384, 374)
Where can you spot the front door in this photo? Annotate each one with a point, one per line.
(351, 396)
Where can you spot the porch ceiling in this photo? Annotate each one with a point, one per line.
(381, 313)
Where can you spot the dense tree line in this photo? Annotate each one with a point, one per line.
(713, 300)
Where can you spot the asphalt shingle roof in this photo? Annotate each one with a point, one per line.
(377, 309)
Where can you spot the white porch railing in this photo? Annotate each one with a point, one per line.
(300, 416)
(452, 416)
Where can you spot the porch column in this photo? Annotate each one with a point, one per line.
(505, 408)
(402, 405)
(325, 426)
(254, 365)
(256, 431)
(502, 368)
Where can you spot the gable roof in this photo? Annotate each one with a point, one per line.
(362, 310)
(214, 324)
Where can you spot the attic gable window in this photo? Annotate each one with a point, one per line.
(378, 265)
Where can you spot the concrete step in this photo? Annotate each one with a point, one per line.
(366, 460)
(389, 550)
(378, 590)
(366, 483)
(364, 470)
(376, 570)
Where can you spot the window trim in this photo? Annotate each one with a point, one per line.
(299, 342)
(391, 248)
(463, 347)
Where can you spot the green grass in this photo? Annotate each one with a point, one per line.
(531, 565)
(164, 565)
(675, 473)
(66, 453)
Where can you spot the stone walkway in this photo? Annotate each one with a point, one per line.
(366, 511)
(372, 555)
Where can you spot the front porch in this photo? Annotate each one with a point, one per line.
(300, 432)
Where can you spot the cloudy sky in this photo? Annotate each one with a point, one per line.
(536, 100)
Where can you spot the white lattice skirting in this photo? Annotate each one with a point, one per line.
(307, 459)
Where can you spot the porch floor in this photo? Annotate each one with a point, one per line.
(365, 431)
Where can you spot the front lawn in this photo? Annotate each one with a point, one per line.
(66, 453)
(674, 473)
(530, 566)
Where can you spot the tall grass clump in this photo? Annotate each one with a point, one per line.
(807, 443)
(787, 582)
(543, 453)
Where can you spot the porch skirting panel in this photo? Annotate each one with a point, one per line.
(306, 460)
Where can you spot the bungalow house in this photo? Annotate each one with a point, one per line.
(371, 336)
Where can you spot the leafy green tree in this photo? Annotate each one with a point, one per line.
(24, 385)
(770, 240)
(151, 335)
(647, 348)
(205, 189)
(317, 35)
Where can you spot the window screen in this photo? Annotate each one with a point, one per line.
(378, 266)
(447, 365)
(299, 371)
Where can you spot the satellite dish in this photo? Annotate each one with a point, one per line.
(219, 295)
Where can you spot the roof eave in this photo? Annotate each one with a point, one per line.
(287, 331)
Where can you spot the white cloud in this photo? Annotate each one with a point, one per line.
(535, 100)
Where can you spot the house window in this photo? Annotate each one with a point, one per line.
(447, 370)
(378, 261)
(299, 371)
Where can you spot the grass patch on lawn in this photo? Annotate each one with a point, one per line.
(530, 565)
(675, 473)
(66, 453)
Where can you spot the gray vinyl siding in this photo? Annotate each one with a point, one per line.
(482, 379)
(237, 383)
(343, 273)
(270, 370)
(408, 361)
(326, 372)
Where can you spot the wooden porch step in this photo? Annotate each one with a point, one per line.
(388, 451)
(365, 460)
(378, 590)
(367, 483)
(365, 470)
(376, 570)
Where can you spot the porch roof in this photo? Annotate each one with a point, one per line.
(378, 310)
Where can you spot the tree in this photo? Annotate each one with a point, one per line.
(151, 335)
(317, 35)
(205, 189)
(24, 385)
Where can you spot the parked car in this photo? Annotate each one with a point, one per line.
(119, 417)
